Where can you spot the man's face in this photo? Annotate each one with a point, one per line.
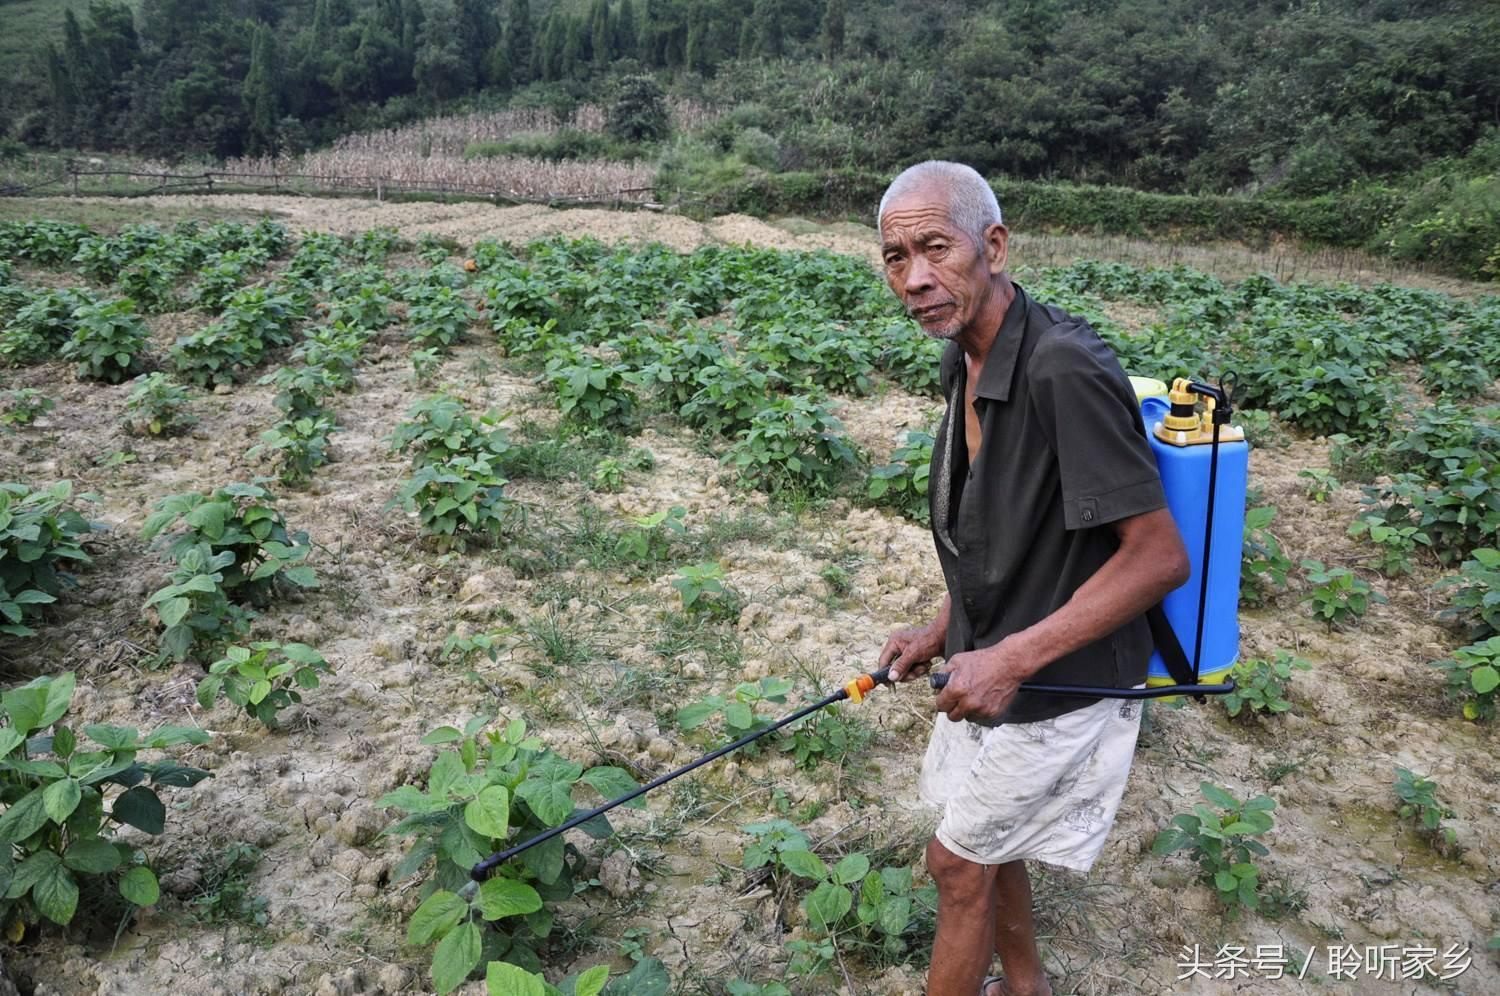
(936, 270)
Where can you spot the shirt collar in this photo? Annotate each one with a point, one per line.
(1000, 366)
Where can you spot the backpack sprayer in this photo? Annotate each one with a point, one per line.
(1192, 453)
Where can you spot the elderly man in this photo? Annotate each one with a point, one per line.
(1053, 536)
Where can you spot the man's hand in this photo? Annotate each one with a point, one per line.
(982, 683)
(909, 652)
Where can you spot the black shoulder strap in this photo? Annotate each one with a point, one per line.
(1170, 648)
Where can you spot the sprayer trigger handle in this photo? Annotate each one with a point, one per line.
(938, 680)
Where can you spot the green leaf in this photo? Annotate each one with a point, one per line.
(1218, 796)
(140, 808)
(592, 982)
(60, 799)
(502, 897)
(456, 956)
(695, 715)
(489, 812)
(139, 886)
(648, 978)
(59, 693)
(551, 801)
(504, 979)
(438, 914)
(805, 864)
(442, 735)
(738, 715)
(852, 868)
(56, 894)
(895, 916)
(92, 855)
(826, 906)
(24, 817)
(1484, 679)
(612, 782)
(1226, 881)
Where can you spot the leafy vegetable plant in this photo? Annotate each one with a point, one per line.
(1261, 685)
(1338, 595)
(65, 800)
(263, 678)
(1473, 674)
(486, 787)
(1417, 800)
(1221, 838)
(155, 406)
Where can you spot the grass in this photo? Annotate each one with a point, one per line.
(112, 215)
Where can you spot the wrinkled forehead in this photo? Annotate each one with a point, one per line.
(920, 212)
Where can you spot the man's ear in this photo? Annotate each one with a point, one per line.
(996, 248)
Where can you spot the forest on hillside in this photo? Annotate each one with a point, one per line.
(1295, 97)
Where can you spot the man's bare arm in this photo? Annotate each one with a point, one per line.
(1150, 562)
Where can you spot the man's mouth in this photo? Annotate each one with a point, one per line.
(930, 313)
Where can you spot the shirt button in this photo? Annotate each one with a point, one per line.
(1088, 515)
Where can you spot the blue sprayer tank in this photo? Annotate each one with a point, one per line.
(1183, 456)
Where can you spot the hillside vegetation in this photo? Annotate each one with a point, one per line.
(1388, 107)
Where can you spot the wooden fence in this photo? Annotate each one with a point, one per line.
(75, 178)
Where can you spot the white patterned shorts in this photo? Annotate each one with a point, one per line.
(1047, 790)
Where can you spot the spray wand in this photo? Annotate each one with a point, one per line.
(854, 691)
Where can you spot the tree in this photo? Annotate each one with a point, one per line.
(768, 29)
(600, 35)
(575, 53)
(832, 34)
(442, 70)
(639, 110)
(627, 33)
(517, 40)
(262, 94)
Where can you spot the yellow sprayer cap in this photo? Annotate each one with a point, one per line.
(1148, 387)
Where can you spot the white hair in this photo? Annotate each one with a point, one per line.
(972, 206)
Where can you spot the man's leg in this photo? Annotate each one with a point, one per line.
(965, 942)
(1015, 933)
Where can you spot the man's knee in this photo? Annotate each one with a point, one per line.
(957, 877)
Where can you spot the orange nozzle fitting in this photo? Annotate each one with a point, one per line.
(858, 687)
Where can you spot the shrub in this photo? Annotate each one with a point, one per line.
(194, 609)
(1416, 799)
(155, 406)
(439, 318)
(241, 519)
(41, 326)
(38, 533)
(335, 349)
(460, 499)
(215, 354)
(437, 429)
(1222, 841)
(1261, 685)
(263, 678)
(792, 442)
(1477, 600)
(107, 341)
(1338, 596)
(592, 392)
(486, 789)
(23, 405)
(703, 590)
(1473, 674)
(301, 390)
(256, 315)
(731, 392)
(902, 483)
(738, 708)
(299, 445)
(1396, 543)
(64, 803)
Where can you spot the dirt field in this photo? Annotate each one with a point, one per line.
(335, 922)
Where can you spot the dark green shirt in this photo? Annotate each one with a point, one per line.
(1063, 453)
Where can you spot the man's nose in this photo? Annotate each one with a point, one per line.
(918, 276)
